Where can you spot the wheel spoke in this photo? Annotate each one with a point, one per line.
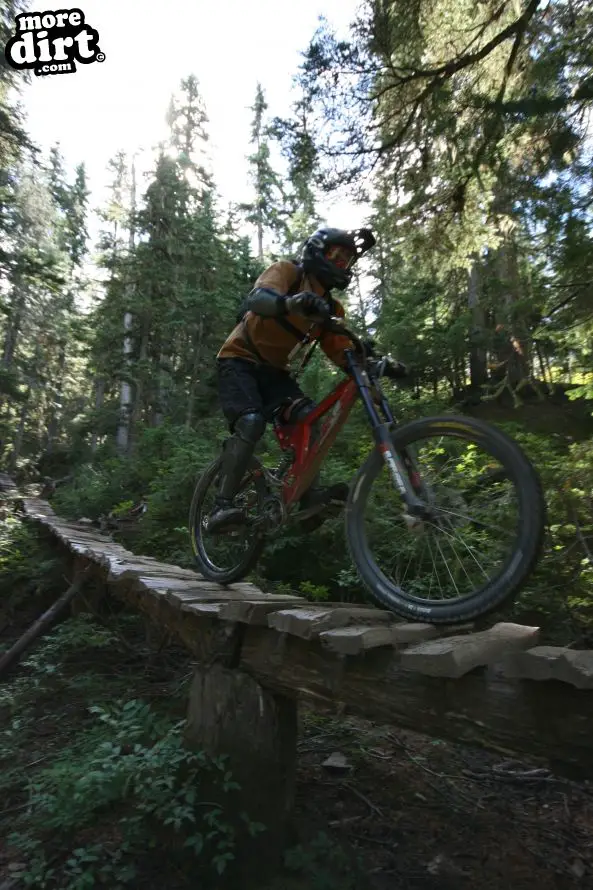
(475, 526)
(226, 557)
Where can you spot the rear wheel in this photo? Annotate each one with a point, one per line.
(483, 535)
(229, 556)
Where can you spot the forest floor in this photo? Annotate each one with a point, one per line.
(424, 814)
(407, 813)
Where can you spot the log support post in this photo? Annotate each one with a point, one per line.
(231, 714)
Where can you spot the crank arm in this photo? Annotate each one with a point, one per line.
(311, 511)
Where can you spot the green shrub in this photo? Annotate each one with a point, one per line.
(98, 816)
(28, 565)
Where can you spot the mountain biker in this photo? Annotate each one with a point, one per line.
(288, 301)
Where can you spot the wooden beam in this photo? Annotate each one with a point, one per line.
(543, 719)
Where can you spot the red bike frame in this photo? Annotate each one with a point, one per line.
(309, 450)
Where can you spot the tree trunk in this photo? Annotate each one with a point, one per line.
(260, 239)
(126, 403)
(14, 326)
(163, 391)
(125, 400)
(18, 439)
(140, 391)
(99, 397)
(52, 425)
(194, 375)
(477, 353)
(514, 353)
(512, 347)
(12, 332)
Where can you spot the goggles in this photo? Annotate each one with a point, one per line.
(340, 256)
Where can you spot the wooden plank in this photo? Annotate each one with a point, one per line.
(36, 506)
(309, 622)
(455, 656)
(573, 666)
(203, 610)
(164, 583)
(126, 570)
(248, 589)
(408, 634)
(98, 551)
(113, 555)
(355, 640)
(75, 534)
(39, 514)
(255, 611)
(7, 484)
(180, 597)
(207, 592)
(82, 550)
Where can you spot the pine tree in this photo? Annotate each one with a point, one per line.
(267, 210)
(298, 148)
(187, 120)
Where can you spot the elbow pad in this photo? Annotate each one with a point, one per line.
(266, 302)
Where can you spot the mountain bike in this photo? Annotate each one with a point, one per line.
(421, 486)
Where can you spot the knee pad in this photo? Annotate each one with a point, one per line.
(250, 427)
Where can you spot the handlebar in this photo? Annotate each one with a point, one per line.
(335, 325)
(382, 365)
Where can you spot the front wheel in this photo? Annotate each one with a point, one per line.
(230, 556)
(484, 531)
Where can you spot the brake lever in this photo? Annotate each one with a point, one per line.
(335, 325)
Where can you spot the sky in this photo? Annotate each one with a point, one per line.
(149, 47)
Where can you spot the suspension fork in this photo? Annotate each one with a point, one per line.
(400, 466)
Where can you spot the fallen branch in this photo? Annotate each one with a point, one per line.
(532, 775)
(364, 799)
(41, 625)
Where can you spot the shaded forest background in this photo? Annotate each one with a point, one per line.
(464, 130)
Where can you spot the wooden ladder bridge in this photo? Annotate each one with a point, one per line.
(257, 653)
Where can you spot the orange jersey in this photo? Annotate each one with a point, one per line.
(272, 342)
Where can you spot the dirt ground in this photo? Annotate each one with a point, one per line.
(423, 814)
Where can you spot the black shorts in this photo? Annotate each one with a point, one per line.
(244, 386)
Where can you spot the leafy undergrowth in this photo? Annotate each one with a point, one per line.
(98, 789)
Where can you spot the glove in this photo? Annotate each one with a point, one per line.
(389, 367)
(309, 304)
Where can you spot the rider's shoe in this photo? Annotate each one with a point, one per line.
(331, 496)
(225, 517)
